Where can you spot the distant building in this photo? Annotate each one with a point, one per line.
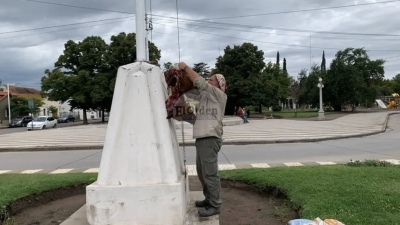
(25, 92)
(15, 91)
(63, 109)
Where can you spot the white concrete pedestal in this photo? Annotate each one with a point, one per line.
(141, 176)
(122, 204)
(192, 217)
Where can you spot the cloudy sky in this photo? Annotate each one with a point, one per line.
(33, 32)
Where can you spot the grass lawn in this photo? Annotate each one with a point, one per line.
(15, 186)
(355, 195)
(359, 194)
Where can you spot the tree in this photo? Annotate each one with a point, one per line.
(86, 73)
(214, 71)
(386, 87)
(20, 106)
(242, 66)
(202, 69)
(121, 51)
(396, 84)
(53, 110)
(167, 66)
(275, 86)
(277, 60)
(353, 78)
(284, 65)
(323, 63)
(302, 77)
(75, 74)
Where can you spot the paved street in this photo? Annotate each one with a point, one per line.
(7, 130)
(384, 146)
(257, 131)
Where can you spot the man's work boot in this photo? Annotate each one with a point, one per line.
(209, 211)
(203, 203)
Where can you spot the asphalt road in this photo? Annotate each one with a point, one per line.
(59, 125)
(381, 146)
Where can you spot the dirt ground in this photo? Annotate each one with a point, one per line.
(241, 206)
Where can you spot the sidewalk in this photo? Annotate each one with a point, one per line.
(255, 132)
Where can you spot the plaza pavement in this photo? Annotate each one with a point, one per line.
(235, 132)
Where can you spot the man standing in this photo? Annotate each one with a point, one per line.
(208, 131)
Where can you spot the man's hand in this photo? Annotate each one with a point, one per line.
(193, 75)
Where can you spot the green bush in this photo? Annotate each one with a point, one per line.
(276, 108)
(371, 163)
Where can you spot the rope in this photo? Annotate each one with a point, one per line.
(182, 125)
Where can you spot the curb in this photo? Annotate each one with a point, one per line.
(191, 169)
(191, 143)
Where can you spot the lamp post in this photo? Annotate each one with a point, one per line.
(321, 113)
(9, 104)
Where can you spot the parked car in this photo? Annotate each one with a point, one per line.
(20, 121)
(42, 122)
(66, 119)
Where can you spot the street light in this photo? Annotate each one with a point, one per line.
(321, 114)
(9, 105)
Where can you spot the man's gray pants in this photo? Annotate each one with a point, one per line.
(207, 168)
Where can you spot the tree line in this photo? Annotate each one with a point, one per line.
(351, 79)
(250, 80)
(85, 74)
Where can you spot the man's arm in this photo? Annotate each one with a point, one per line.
(193, 94)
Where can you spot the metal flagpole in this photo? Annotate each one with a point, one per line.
(140, 31)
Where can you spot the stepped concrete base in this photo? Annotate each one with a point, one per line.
(80, 217)
(121, 205)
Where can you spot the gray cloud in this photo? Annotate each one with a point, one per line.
(25, 55)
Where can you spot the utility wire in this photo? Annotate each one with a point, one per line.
(76, 39)
(223, 28)
(64, 25)
(286, 29)
(321, 37)
(274, 43)
(54, 31)
(301, 10)
(79, 7)
(258, 27)
(197, 31)
(397, 56)
(227, 17)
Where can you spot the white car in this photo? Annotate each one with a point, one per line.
(42, 122)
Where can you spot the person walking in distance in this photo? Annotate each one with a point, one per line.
(208, 131)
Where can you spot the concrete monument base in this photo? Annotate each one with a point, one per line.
(119, 204)
(191, 218)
